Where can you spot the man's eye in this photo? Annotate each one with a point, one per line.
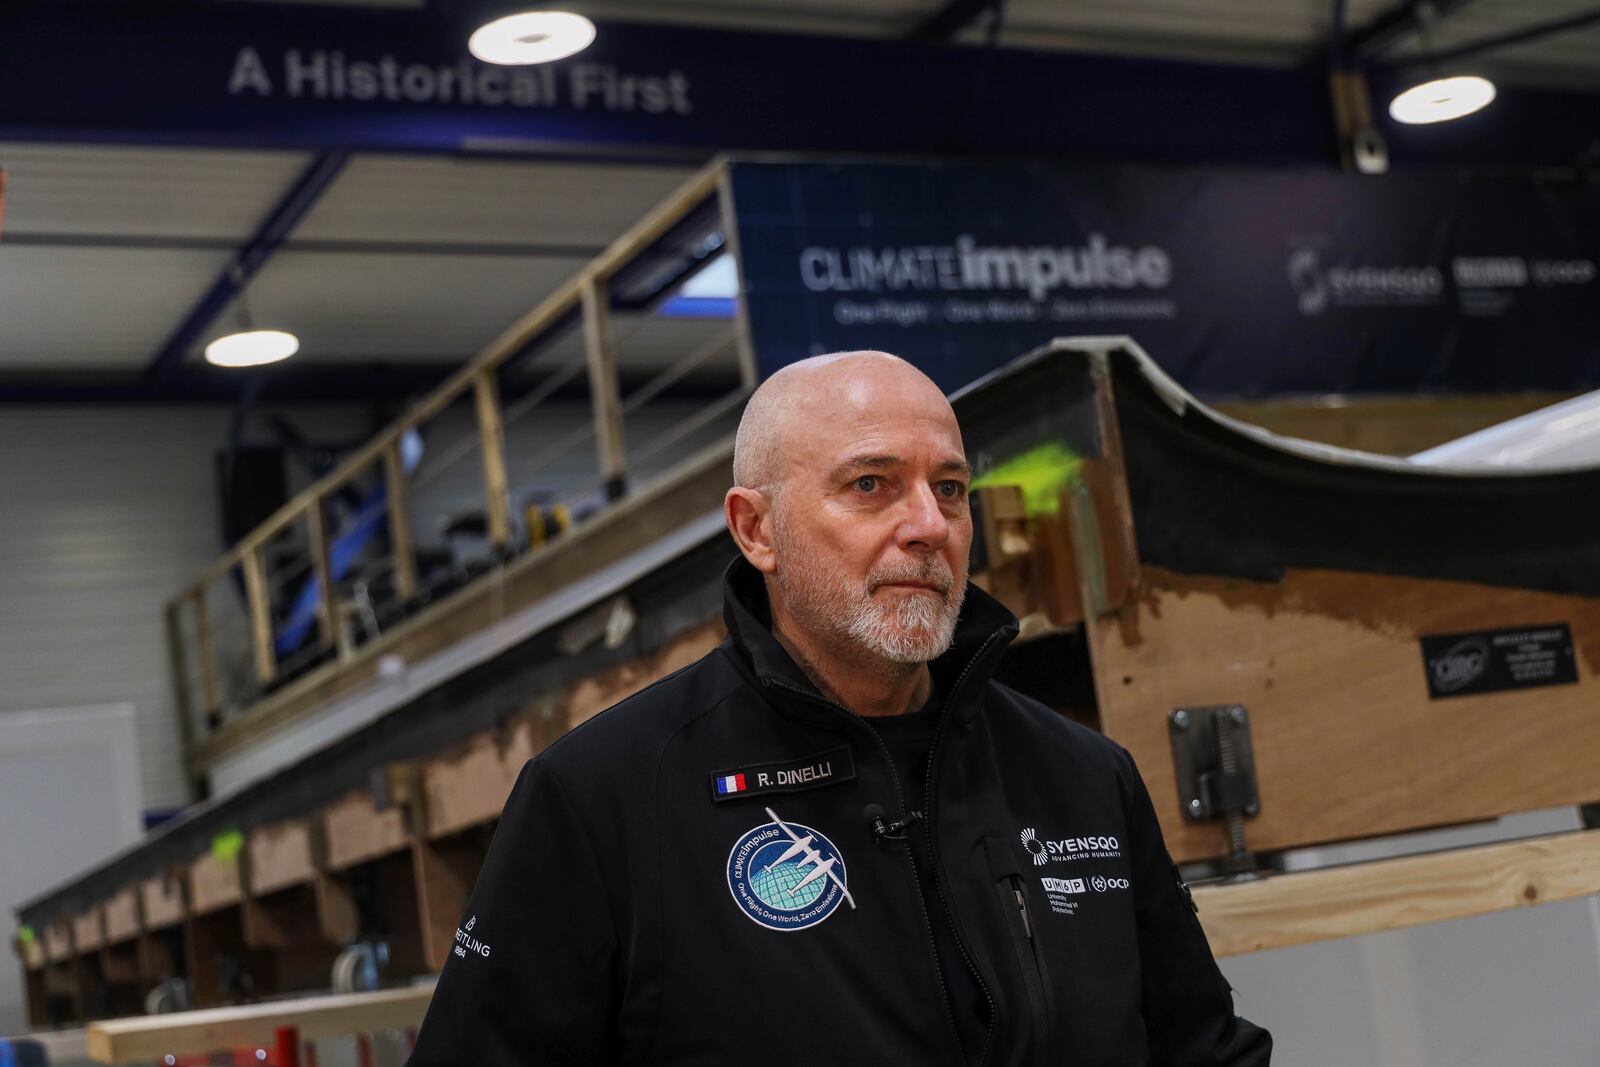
(951, 490)
(867, 483)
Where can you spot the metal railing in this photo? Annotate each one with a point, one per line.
(326, 576)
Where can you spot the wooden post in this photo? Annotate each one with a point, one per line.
(604, 393)
(255, 584)
(748, 375)
(210, 692)
(399, 502)
(327, 618)
(497, 501)
(180, 682)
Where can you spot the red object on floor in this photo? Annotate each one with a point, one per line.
(288, 1046)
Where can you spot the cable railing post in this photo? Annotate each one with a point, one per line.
(497, 500)
(180, 683)
(210, 691)
(748, 375)
(255, 584)
(398, 501)
(604, 393)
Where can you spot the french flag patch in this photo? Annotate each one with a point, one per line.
(731, 783)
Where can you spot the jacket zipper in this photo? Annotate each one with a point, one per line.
(1031, 960)
(900, 802)
(933, 849)
(933, 844)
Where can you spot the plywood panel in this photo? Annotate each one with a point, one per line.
(122, 915)
(1347, 742)
(149, 1038)
(214, 882)
(32, 953)
(280, 856)
(58, 941)
(468, 786)
(162, 901)
(88, 930)
(355, 831)
(1293, 909)
(445, 871)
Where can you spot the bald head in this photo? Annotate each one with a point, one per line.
(790, 410)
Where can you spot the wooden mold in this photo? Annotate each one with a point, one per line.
(280, 856)
(122, 915)
(162, 902)
(215, 881)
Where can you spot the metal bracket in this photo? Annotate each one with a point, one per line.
(1216, 770)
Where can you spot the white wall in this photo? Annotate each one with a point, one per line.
(69, 797)
(104, 514)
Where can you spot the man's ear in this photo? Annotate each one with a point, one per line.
(749, 516)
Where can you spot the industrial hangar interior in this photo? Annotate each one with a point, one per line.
(369, 379)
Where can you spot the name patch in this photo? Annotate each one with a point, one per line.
(784, 776)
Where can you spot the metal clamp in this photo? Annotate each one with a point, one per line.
(1216, 771)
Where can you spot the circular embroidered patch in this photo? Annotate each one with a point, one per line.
(786, 876)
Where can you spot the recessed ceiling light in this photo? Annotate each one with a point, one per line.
(531, 37)
(252, 348)
(1442, 99)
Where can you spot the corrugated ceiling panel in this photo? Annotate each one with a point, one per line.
(385, 198)
(119, 191)
(348, 306)
(1282, 32)
(65, 308)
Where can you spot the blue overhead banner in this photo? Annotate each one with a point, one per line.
(1241, 283)
(365, 78)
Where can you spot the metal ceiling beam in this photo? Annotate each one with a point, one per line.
(285, 215)
(157, 242)
(1522, 36)
(1395, 25)
(949, 20)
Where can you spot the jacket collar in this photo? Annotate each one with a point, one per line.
(983, 631)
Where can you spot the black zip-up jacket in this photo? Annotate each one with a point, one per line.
(694, 877)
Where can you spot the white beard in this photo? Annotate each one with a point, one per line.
(916, 628)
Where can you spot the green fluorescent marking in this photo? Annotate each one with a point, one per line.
(1042, 472)
(227, 846)
(25, 935)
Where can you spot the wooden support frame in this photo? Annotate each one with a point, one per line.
(210, 690)
(477, 374)
(255, 584)
(1295, 909)
(399, 515)
(180, 675)
(749, 374)
(605, 396)
(149, 1038)
(492, 442)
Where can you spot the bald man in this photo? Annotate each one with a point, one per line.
(835, 839)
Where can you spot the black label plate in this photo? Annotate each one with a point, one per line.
(783, 776)
(1491, 661)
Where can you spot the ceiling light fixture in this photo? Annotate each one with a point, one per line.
(531, 37)
(252, 348)
(248, 346)
(1442, 99)
(1438, 99)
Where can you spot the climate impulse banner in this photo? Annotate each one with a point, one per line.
(1239, 283)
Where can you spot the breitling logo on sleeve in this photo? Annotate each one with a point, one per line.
(783, 776)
